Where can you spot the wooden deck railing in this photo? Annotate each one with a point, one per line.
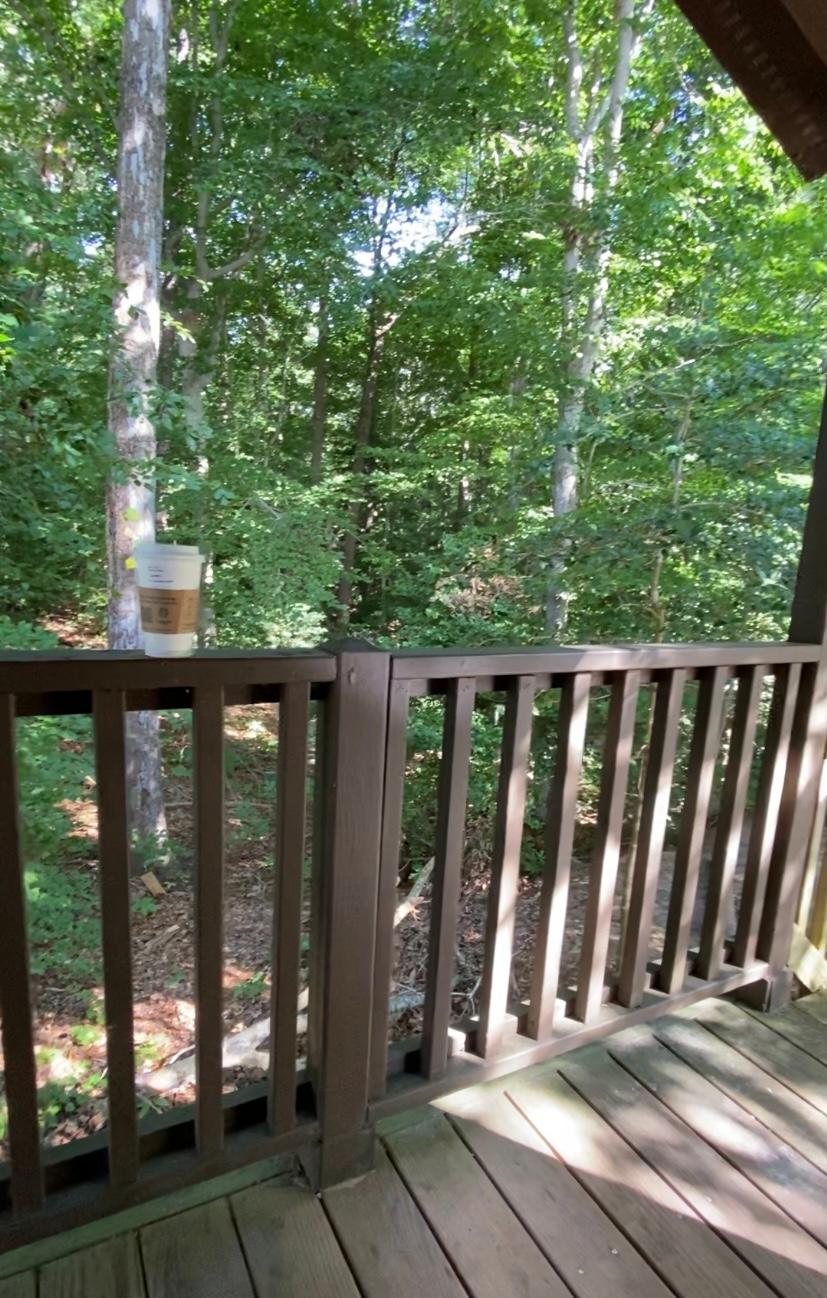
(327, 1111)
(811, 914)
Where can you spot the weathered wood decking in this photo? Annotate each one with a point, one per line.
(686, 1158)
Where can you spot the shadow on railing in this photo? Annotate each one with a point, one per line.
(728, 924)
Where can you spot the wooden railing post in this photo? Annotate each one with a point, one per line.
(350, 779)
(799, 798)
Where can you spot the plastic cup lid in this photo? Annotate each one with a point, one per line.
(162, 550)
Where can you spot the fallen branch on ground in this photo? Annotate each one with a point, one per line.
(249, 1048)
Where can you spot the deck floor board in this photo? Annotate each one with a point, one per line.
(594, 1258)
(774, 1053)
(802, 1029)
(780, 1172)
(109, 1269)
(686, 1158)
(488, 1244)
(781, 1110)
(762, 1234)
(19, 1286)
(195, 1254)
(669, 1233)
(290, 1248)
(380, 1208)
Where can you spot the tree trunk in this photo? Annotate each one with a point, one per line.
(133, 370)
(583, 313)
(364, 424)
(318, 420)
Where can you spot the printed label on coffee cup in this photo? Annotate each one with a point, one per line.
(168, 612)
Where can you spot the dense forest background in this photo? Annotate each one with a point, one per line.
(388, 243)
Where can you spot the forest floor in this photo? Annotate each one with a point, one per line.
(70, 1041)
(69, 1033)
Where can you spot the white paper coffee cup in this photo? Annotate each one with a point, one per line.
(169, 582)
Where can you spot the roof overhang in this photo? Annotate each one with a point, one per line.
(776, 52)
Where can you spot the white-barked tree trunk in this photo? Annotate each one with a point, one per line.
(130, 505)
(594, 125)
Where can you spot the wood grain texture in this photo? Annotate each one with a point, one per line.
(776, 1106)
(110, 1270)
(646, 867)
(561, 816)
(290, 1248)
(291, 809)
(19, 1286)
(593, 1257)
(765, 813)
(705, 741)
(15, 993)
(379, 1208)
(505, 866)
(195, 1255)
(783, 1174)
(116, 906)
(815, 1005)
(721, 880)
(799, 1028)
(787, 1258)
(486, 1243)
(673, 1238)
(597, 923)
(450, 838)
(772, 1052)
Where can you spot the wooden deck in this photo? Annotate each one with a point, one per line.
(685, 1158)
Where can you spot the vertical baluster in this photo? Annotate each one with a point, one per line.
(795, 819)
(705, 742)
(814, 854)
(113, 846)
(291, 807)
(730, 823)
(15, 995)
(561, 815)
(450, 838)
(322, 795)
(505, 866)
(765, 814)
(208, 745)
(597, 925)
(817, 923)
(646, 868)
(388, 873)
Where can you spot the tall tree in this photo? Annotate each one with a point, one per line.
(133, 369)
(594, 124)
